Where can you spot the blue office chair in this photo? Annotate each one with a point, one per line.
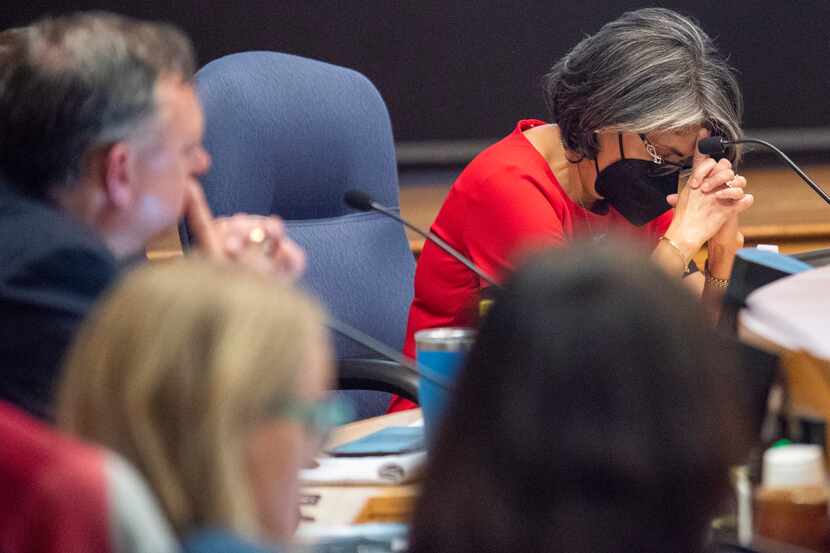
(289, 136)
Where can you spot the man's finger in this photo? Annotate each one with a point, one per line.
(274, 227)
(200, 222)
(291, 259)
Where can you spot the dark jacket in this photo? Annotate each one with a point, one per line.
(52, 269)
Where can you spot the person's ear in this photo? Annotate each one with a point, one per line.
(119, 184)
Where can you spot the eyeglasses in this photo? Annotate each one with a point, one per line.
(318, 418)
(664, 167)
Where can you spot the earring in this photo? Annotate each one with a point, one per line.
(652, 151)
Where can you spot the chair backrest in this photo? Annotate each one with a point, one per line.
(289, 136)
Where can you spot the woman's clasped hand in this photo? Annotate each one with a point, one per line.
(707, 209)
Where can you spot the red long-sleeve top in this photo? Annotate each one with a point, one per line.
(505, 204)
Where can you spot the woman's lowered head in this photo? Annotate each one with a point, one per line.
(651, 72)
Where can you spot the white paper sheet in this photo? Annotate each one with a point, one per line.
(387, 469)
(793, 312)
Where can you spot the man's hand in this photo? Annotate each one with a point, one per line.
(254, 241)
(261, 243)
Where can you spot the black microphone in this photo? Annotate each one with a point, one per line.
(361, 201)
(381, 349)
(716, 145)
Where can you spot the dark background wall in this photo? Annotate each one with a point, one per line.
(466, 71)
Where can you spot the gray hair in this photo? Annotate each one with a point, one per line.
(78, 82)
(650, 70)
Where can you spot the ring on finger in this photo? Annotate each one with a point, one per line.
(257, 235)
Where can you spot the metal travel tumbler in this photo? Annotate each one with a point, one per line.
(441, 353)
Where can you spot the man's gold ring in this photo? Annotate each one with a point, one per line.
(257, 235)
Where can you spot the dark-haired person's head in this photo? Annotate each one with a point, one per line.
(98, 116)
(596, 413)
(9, 38)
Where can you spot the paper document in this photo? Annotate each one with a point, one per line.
(386, 469)
(793, 312)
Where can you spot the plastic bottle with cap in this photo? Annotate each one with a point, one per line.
(791, 505)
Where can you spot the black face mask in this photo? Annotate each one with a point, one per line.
(632, 188)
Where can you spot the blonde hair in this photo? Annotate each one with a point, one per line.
(175, 367)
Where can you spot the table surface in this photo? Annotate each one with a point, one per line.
(786, 211)
(343, 505)
(355, 430)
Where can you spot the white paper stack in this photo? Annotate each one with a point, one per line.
(386, 469)
(793, 312)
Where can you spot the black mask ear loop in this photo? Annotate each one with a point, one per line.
(600, 207)
(622, 152)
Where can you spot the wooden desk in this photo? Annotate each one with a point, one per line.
(786, 212)
(343, 505)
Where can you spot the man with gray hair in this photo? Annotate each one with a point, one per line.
(100, 151)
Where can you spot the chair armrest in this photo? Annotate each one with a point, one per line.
(378, 375)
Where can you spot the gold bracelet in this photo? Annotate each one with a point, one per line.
(713, 281)
(674, 245)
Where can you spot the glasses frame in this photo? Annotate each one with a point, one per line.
(318, 417)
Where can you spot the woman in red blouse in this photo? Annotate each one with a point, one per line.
(628, 105)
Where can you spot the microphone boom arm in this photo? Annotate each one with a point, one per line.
(379, 347)
(438, 240)
(816, 188)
